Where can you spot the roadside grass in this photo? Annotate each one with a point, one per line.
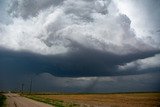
(2, 100)
(54, 102)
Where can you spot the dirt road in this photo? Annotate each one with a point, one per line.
(15, 100)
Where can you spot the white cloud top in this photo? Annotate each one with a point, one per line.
(52, 29)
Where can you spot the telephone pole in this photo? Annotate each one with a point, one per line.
(22, 88)
(31, 83)
(30, 89)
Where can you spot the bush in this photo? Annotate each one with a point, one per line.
(2, 99)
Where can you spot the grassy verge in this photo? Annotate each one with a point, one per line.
(54, 102)
(2, 100)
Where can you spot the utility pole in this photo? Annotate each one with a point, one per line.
(22, 88)
(30, 89)
(31, 83)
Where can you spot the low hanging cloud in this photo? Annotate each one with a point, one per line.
(71, 38)
(48, 83)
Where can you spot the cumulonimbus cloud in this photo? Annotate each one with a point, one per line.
(54, 29)
(78, 38)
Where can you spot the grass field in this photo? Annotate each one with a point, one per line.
(2, 100)
(52, 101)
(100, 100)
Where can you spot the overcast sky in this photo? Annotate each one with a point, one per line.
(80, 45)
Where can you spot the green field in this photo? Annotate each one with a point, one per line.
(100, 100)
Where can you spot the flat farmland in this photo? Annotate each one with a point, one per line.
(101, 100)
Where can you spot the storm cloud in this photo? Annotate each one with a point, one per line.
(82, 63)
(69, 38)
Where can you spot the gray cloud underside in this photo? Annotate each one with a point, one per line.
(82, 63)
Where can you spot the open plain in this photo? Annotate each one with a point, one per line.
(102, 100)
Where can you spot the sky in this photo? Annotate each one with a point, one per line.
(80, 46)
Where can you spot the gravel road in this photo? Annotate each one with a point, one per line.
(15, 100)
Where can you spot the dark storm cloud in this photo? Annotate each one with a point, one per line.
(82, 45)
(82, 63)
(72, 38)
